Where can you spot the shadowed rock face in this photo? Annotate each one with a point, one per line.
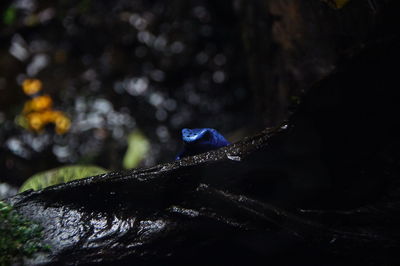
(321, 189)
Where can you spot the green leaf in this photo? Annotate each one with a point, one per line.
(60, 175)
(138, 147)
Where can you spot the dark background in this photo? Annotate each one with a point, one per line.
(159, 66)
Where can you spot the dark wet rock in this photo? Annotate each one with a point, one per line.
(322, 189)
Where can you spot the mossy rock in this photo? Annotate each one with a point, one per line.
(60, 175)
(19, 237)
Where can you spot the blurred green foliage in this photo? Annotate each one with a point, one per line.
(138, 148)
(84, 5)
(9, 15)
(18, 237)
(60, 175)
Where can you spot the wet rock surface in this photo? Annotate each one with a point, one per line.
(322, 189)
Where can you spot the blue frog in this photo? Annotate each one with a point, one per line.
(199, 140)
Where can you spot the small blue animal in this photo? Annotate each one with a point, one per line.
(199, 140)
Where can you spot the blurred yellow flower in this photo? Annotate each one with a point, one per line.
(62, 123)
(35, 121)
(31, 86)
(38, 112)
(38, 120)
(38, 104)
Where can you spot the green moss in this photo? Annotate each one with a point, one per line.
(19, 237)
